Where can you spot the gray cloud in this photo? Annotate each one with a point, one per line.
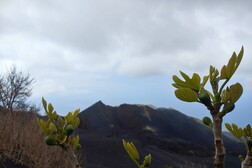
(56, 40)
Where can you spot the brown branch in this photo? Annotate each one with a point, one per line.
(246, 162)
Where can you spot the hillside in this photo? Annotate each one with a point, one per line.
(171, 137)
(180, 138)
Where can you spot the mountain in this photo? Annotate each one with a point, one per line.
(171, 136)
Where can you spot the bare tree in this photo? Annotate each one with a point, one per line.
(15, 88)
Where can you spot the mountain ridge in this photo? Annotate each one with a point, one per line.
(157, 130)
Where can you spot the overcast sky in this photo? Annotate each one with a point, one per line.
(126, 51)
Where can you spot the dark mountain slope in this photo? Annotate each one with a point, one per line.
(146, 123)
(171, 137)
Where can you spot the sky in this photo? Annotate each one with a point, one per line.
(83, 51)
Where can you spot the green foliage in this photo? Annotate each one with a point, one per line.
(186, 94)
(228, 70)
(192, 83)
(133, 153)
(193, 89)
(219, 101)
(243, 134)
(235, 130)
(58, 129)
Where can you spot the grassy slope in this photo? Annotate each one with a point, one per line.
(21, 142)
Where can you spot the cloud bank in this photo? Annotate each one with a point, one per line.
(78, 44)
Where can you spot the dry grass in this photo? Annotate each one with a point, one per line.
(22, 142)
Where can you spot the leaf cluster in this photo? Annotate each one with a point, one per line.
(243, 134)
(193, 89)
(134, 155)
(59, 130)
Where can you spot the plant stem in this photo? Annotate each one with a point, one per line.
(71, 155)
(245, 163)
(223, 85)
(219, 158)
(138, 165)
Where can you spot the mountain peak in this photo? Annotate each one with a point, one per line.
(100, 102)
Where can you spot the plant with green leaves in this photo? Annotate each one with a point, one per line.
(219, 102)
(134, 155)
(245, 136)
(60, 131)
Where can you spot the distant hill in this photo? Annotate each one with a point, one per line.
(165, 130)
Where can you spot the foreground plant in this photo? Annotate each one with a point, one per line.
(245, 136)
(60, 131)
(133, 153)
(219, 102)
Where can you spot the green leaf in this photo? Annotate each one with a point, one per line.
(54, 115)
(50, 108)
(225, 97)
(186, 77)
(63, 140)
(235, 92)
(229, 128)
(205, 79)
(176, 85)
(69, 117)
(196, 81)
(75, 140)
(228, 107)
(228, 70)
(178, 81)
(236, 132)
(186, 94)
(224, 73)
(60, 120)
(43, 126)
(76, 113)
(231, 65)
(193, 83)
(239, 57)
(76, 122)
(44, 104)
(52, 127)
(248, 131)
(213, 73)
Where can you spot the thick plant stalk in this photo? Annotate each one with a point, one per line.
(219, 158)
(245, 163)
(72, 156)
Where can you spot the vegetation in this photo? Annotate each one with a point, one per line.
(219, 102)
(60, 132)
(22, 143)
(133, 153)
(245, 136)
(15, 88)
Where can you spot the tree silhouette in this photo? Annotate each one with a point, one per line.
(15, 88)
